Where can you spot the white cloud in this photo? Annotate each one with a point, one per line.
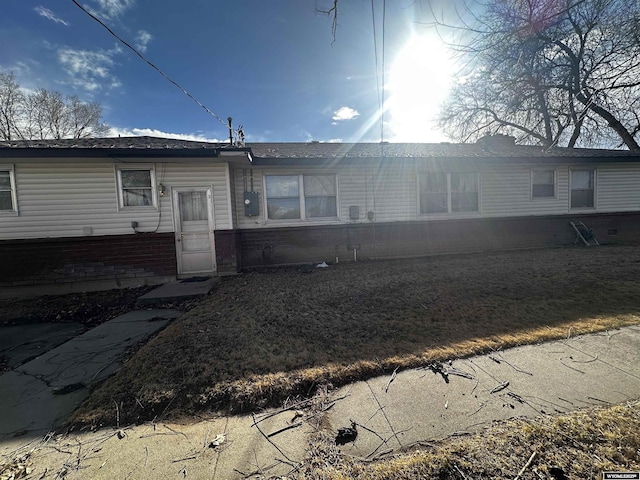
(142, 40)
(335, 140)
(111, 9)
(345, 113)
(46, 13)
(89, 70)
(152, 132)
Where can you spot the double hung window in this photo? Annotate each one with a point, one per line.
(543, 183)
(8, 203)
(583, 188)
(136, 187)
(448, 192)
(301, 197)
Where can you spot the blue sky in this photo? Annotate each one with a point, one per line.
(271, 65)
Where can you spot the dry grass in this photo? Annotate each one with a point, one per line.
(583, 444)
(265, 336)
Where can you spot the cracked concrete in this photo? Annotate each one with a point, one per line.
(555, 377)
(41, 394)
(217, 448)
(20, 343)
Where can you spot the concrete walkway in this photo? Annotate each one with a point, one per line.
(556, 377)
(39, 395)
(416, 405)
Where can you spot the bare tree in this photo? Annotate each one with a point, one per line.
(46, 114)
(11, 102)
(85, 119)
(551, 72)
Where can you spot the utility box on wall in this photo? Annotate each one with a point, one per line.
(251, 207)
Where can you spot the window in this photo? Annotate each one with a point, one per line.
(433, 193)
(448, 192)
(294, 197)
(136, 186)
(464, 192)
(582, 188)
(320, 196)
(543, 183)
(8, 204)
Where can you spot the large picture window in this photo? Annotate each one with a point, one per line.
(448, 192)
(8, 204)
(582, 188)
(136, 186)
(299, 197)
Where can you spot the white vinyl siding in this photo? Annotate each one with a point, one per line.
(395, 192)
(506, 192)
(618, 187)
(63, 199)
(356, 190)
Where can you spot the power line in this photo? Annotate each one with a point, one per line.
(134, 50)
(384, 19)
(380, 72)
(375, 53)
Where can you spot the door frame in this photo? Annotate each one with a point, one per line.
(175, 214)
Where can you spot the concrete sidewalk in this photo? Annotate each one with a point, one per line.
(417, 405)
(556, 377)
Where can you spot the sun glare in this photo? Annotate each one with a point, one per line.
(419, 81)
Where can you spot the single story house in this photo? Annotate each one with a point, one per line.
(141, 210)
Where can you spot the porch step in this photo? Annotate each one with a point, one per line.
(178, 290)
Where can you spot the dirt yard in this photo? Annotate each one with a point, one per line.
(266, 336)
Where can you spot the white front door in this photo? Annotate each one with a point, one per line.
(193, 220)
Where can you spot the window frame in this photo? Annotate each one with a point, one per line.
(534, 197)
(301, 198)
(120, 191)
(449, 193)
(594, 196)
(14, 193)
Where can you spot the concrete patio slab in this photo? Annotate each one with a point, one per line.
(39, 395)
(179, 290)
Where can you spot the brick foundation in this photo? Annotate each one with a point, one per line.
(227, 249)
(86, 259)
(274, 246)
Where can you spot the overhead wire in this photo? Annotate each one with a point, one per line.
(380, 68)
(152, 65)
(384, 21)
(375, 54)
